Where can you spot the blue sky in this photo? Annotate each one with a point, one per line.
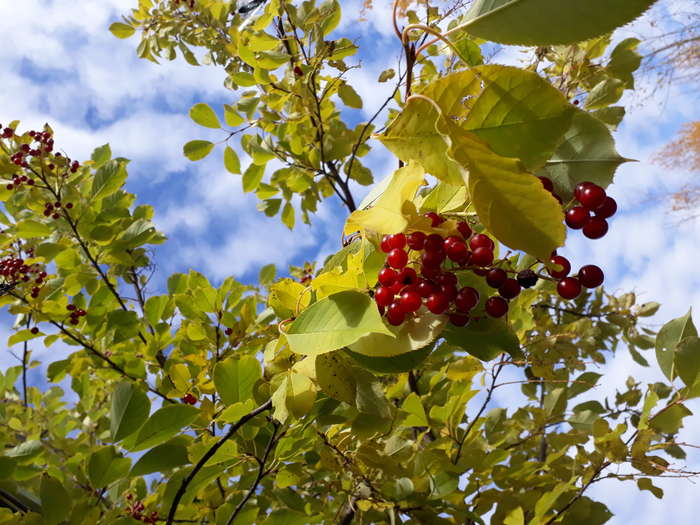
(61, 65)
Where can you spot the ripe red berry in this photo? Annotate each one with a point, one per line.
(434, 243)
(457, 251)
(397, 240)
(429, 272)
(34, 330)
(496, 277)
(437, 303)
(592, 196)
(387, 276)
(298, 71)
(435, 219)
(74, 320)
(426, 288)
(496, 306)
(384, 296)
(578, 191)
(416, 240)
(407, 276)
(527, 278)
(189, 399)
(563, 263)
(591, 276)
(547, 183)
(446, 278)
(432, 259)
(607, 209)
(482, 257)
(449, 290)
(459, 319)
(509, 289)
(384, 245)
(577, 217)
(595, 228)
(397, 258)
(70, 307)
(569, 288)
(395, 314)
(467, 298)
(481, 241)
(410, 301)
(228, 331)
(464, 229)
(69, 205)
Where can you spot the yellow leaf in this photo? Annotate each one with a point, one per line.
(286, 295)
(336, 281)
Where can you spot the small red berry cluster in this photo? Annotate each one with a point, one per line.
(135, 510)
(189, 399)
(13, 269)
(595, 207)
(75, 314)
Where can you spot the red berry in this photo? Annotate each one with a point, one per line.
(547, 183)
(591, 276)
(467, 298)
(432, 259)
(426, 288)
(69, 205)
(496, 277)
(482, 257)
(416, 240)
(396, 288)
(607, 209)
(189, 399)
(387, 276)
(563, 263)
(446, 278)
(81, 313)
(395, 314)
(435, 219)
(595, 228)
(383, 296)
(55, 216)
(578, 191)
(407, 276)
(437, 303)
(397, 240)
(397, 258)
(459, 319)
(592, 196)
(70, 307)
(298, 71)
(384, 245)
(569, 288)
(481, 241)
(228, 331)
(509, 289)
(434, 243)
(74, 320)
(577, 217)
(457, 251)
(34, 330)
(496, 306)
(449, 290)
(527, 278)
(410, 301)
(464, 229)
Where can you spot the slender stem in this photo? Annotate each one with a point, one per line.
(25, 354)
(394, 18)
(208, 455)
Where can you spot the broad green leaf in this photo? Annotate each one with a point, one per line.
(586, 154)
(670, 420)
(485, 339)
(369, 396)
(288, 218)
(349, 96)
(646, 484)
(301, 394)
(106, 466)
(667, 340)
(203, 115)
(546, 502)
(388, 214)
(515, 517)
(231, 117)
(56, 502)
(516, 112)
(101, 155)
(335, 377)
(164, 424)
(415, 333)
(121, 30)
(130, 408)
(155, 308)
(393, 364)
(25, 451)
(108, 179)
(686, 360)
(231, 161)
(30, 229)
(287, 296)
(624, 60)
(21, 336)
(161, 458)
(334, 322)
(549, 22)
(197, 149)
(235, 378)
(252, 177)
(385, 75)
(414, 407)
(605, 93)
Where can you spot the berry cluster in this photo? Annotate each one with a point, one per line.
(593, 210)
(189, 399)
(75, 314)
(135, 510)
(13, 270)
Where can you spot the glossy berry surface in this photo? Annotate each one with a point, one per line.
(189, 399)
(395, 314)
(397, 240)
(410, 301)
(385, 246)
(481, 241)
(435, 219)
(387, 276)
(577, 217)
(482, 257)
(397, 258)
(464, 229)
(591, 276)
(510, 289)
(595, 228)
(496, 307)
(569, 288)
(527, 278)
(437, 303)
(467, 298)
(607, 209)
(434, 243)
(459, 319)
(563, 267)
(578, 191)
(496, 277)
(457, 251)
(416, 240)
(383, 296)
(592, 196)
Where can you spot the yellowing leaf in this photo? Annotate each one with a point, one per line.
(286, 296)
(203, 115)
(121, 30)
(197, 149)
(336, 281)
(413, 406)
(335, 377)
(349, 96)
(388, 214)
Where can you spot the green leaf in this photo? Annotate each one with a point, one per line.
(515, 517)
(646, 484)
(605, 93)
(670, 420)
(624, 60)
(101, 155)
(252, 177)
(232, 117)
(393, 364)
(109, 178)
(121, 30)
(586, 154)
(385, 75)
(235, 378)
(164, 424)
(203, 115)
(56, 503)
(334, 322)
(21, 336)
(667, 340)
(197, 149)
(349, 96)
(485, 339)
(686, 360)
(130, 408)
(106, 466)
(288, 215)
(414, 407)
(162, 458)
(30, 229)
(549, 22)
(267, 274)
(231, 161)
(335, 377)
